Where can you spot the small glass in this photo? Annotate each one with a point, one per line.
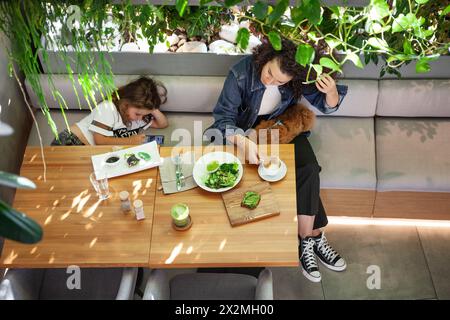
(99, 181)
(180, 215)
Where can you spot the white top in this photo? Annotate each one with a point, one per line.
(105, 119)
(270, 100)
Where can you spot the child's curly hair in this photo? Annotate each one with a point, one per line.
(286, 59)
(143, 93)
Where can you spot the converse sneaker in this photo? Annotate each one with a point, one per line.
(327, 255)
(308, 259)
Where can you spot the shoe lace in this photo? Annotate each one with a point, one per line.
(326, 249)
(308, 253)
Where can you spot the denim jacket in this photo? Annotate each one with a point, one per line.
(239, 103)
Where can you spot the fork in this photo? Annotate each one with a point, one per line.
(179, 173)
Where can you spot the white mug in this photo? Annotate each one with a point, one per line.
(270, 166)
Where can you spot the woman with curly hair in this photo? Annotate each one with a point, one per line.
(260, 87)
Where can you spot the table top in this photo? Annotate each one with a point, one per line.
(212, 241)
(81, 230)
(78, 228)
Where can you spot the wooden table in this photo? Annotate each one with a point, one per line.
(211, 241)
(78, 228)
(81, 230)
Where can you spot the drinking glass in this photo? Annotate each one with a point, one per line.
(99, 181)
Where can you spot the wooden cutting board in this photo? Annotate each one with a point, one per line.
(238, 215)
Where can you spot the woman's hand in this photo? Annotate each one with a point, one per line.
(326, 84)
(249, 147)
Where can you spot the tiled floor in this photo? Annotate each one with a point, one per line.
(412, 263)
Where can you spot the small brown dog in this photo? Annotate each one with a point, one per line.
(295, 120)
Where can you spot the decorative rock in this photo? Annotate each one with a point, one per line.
(229, 32)
(222, 47)
(252, 43)
(193, 46)
(173, 39)
(160, 48)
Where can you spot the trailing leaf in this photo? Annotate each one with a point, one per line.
(305, 54)
(242, 38)
(275, 40)
(17, 226)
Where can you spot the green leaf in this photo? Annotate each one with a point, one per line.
(14, 181)
(297, 15)
(328, 63)
(311, 10)
(318, 68)
(379, 9)
(378, 43)
(421, 1)
(313, 36)
(275, 40)
(181, 6)
(407, 47)
(260, 10)
(278, 11)
(446, 11)
(242, 38)
(353, 57)
(305, 54)
(332, 43)
(17, 226)
(422, 66)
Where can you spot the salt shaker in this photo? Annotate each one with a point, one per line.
(139, 209)
(125, 203)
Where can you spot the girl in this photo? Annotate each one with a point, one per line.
(119, 122)
(263, 86)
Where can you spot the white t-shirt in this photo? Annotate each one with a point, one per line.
(270, 100)
(105, 119)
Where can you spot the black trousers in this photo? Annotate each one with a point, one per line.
(307, 171)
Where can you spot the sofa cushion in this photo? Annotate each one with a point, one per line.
(414, 98)
(185, 93)
(360, 101)
(200, 94)
(413, 154)
(345, 149)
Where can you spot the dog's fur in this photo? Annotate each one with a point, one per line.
(295, 120)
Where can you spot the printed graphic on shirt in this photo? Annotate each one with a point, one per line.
(125, 133)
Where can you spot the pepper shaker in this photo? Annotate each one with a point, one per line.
(125, 203)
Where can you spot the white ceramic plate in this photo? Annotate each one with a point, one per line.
(200, 173)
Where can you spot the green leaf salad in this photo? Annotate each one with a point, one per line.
(224, 177)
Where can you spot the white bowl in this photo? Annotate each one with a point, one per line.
(200, 173)
(113, 164)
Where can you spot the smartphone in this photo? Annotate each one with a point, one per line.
(158, 138)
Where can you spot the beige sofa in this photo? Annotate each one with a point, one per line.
(384, 153)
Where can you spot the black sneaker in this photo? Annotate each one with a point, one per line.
(308, 259)
(327, 255)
